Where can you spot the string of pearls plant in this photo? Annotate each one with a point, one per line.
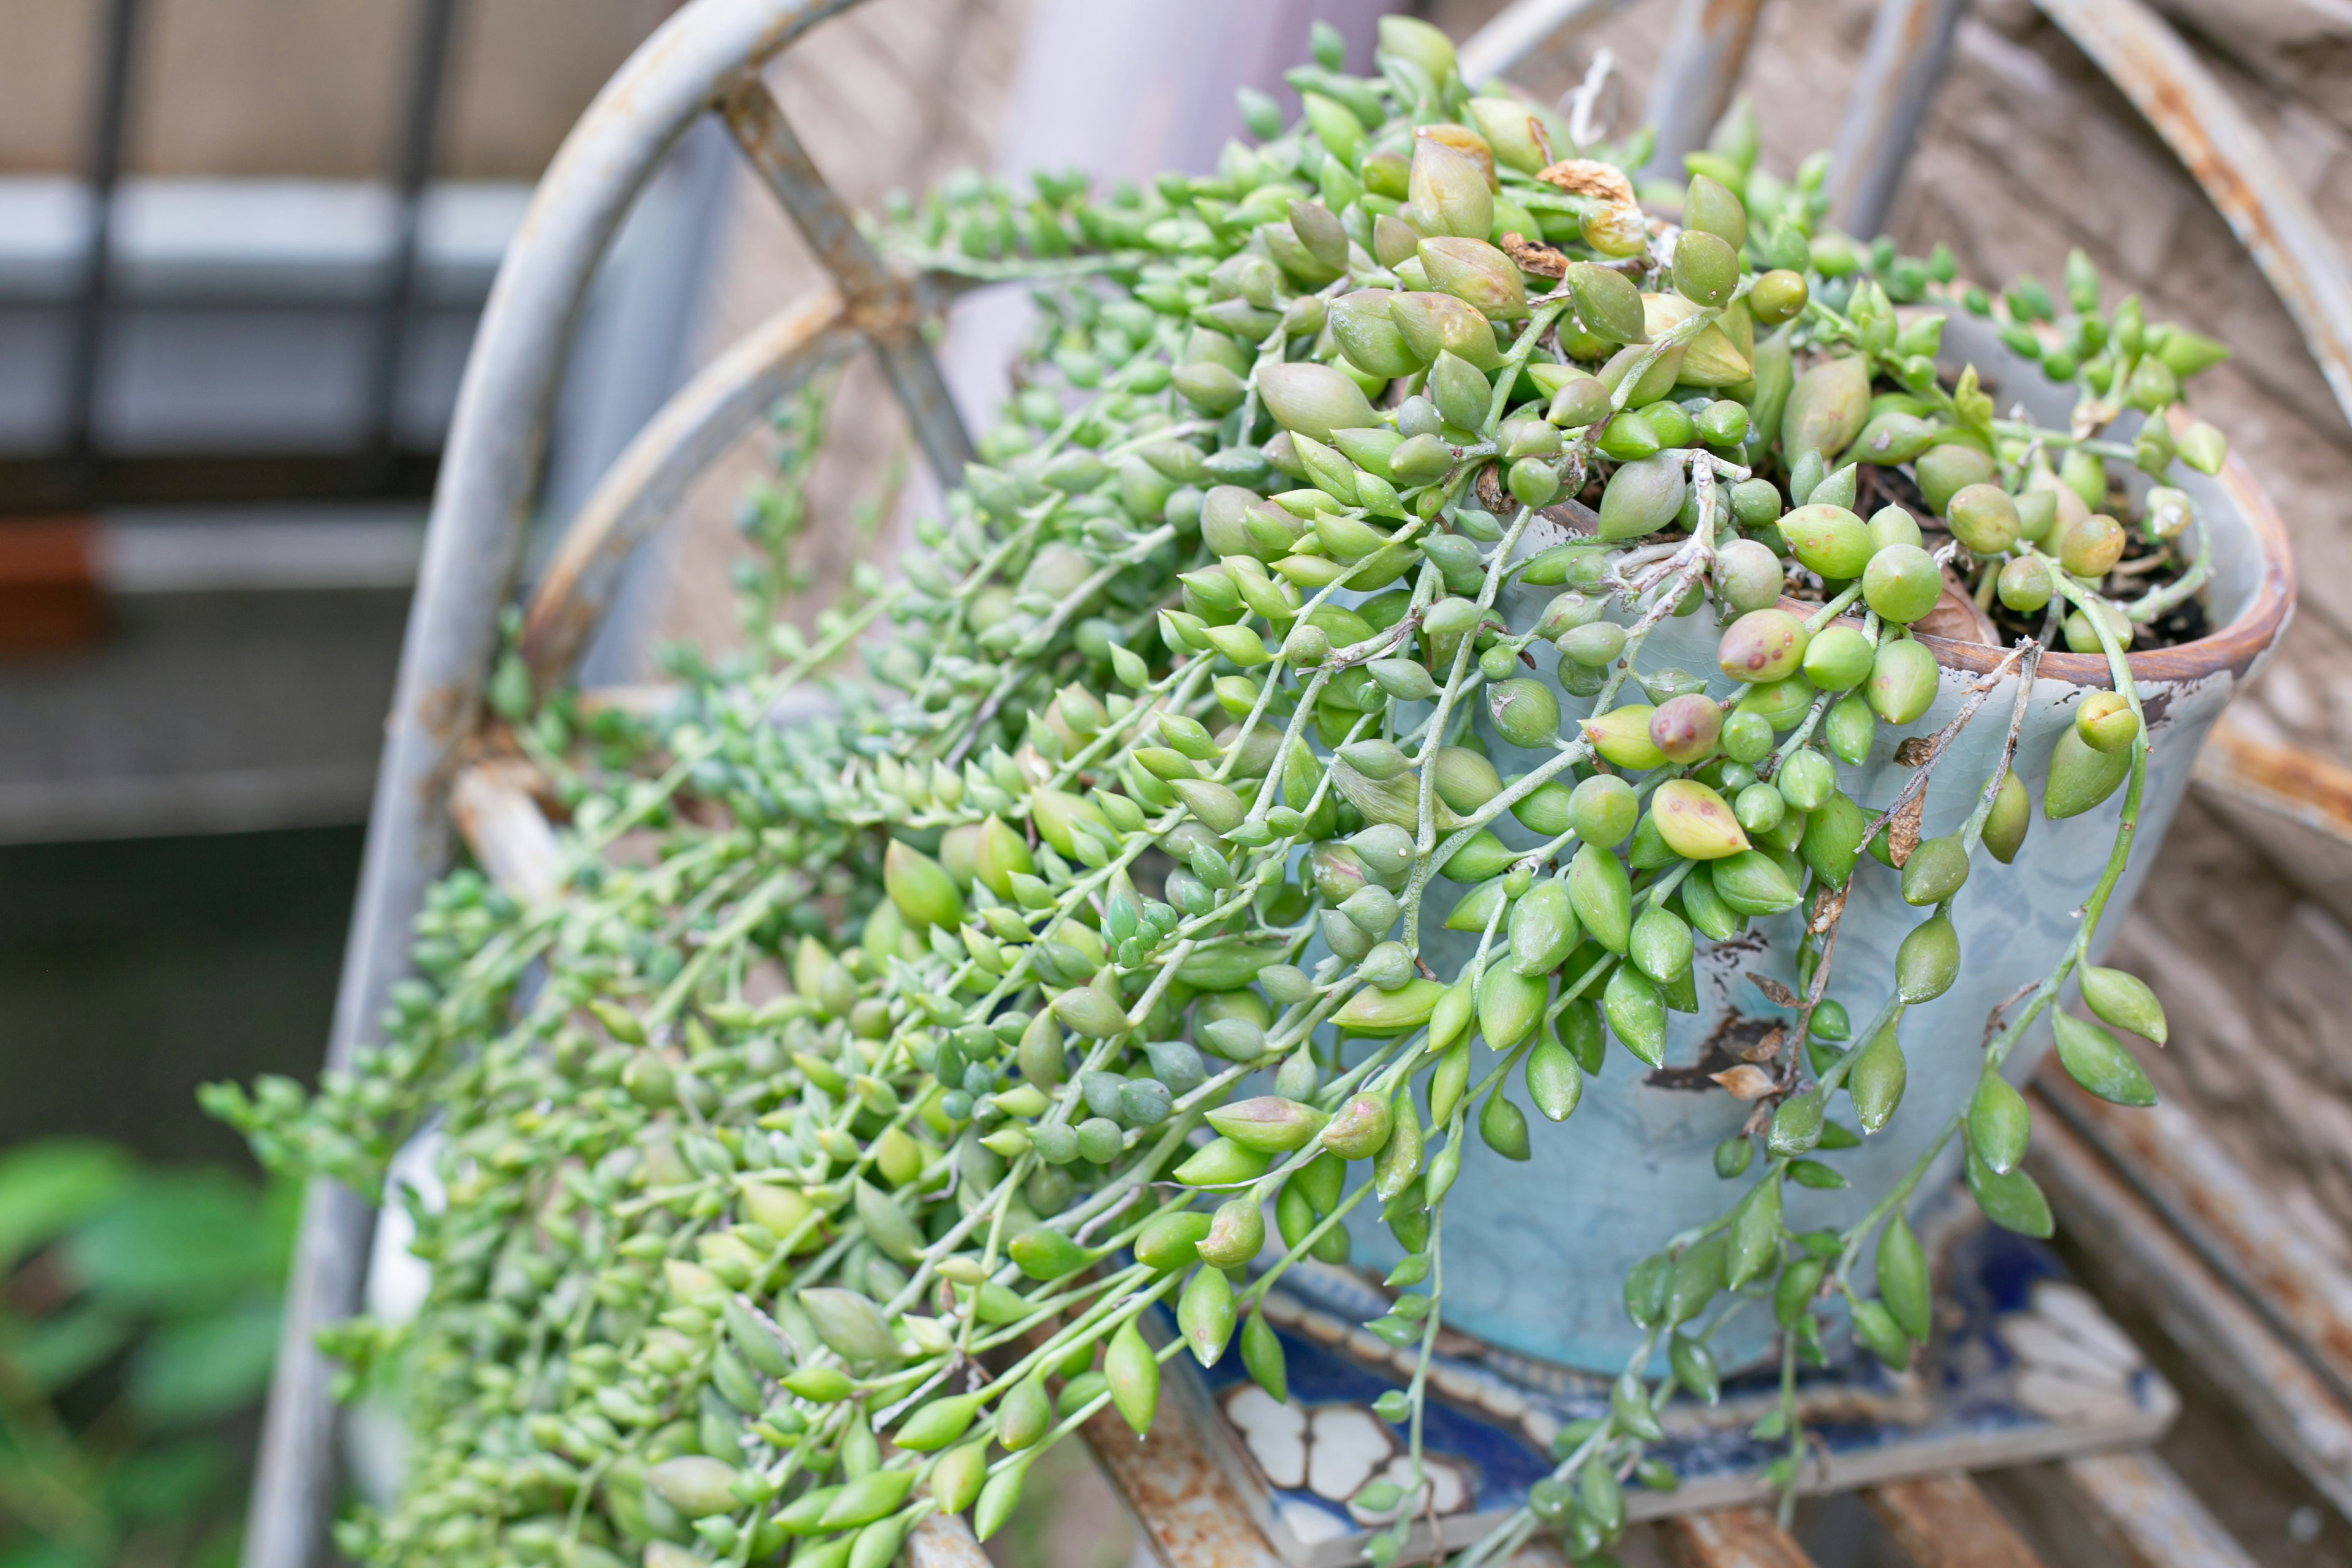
(813, 1162)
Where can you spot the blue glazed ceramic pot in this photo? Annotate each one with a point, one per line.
(1535, 1252)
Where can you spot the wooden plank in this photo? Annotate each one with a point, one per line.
(1732, 1538)
(2141, 1259)
(2238, 1227)
(1944, 1521)
(2144, 1510)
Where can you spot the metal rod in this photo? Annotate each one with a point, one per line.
(644, 483)
(109, 126)
(1910, 45)
(880, 302)
(1523, 27)
(294, 1483)
(1705, 54)
(412, 169)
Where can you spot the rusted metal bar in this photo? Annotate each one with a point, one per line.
(880, 303)
(944, 1541)
(2139, 1257)
(643, 485)
(1190, 1512)
(2296, 806)
(2236, 1226)
(1944, 1521)
(1704, 55)
(2223, 148)
(1910, 44)
(2143, 1510)
(504, 827)
(1521, 28)
(2313, 790)
(1732, 1538)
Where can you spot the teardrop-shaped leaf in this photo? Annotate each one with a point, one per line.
(1903, 1278)
(2011, 1201)
(2100, 1062)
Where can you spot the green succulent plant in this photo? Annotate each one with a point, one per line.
(887, 1080)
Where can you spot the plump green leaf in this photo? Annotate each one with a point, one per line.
(202, 1368)
(177, 1243)
(47, 1187)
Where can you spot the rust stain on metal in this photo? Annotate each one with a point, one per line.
(1194, 1515)
(444, 711)
(1944, 1521)
(1732, 1538)
(1735, 17)
(944, 1541)
(2312, 789)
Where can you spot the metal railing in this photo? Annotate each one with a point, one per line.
(75, 474)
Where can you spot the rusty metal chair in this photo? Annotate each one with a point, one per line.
(708, 59)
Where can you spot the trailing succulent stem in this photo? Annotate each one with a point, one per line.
(874, 1076)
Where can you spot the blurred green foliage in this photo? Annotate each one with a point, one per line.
(137, 1325)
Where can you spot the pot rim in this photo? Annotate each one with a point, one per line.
(2236, 647)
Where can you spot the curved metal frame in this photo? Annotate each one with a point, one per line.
(638, 493)
(706, 59)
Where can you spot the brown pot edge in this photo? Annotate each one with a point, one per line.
(2236, 649)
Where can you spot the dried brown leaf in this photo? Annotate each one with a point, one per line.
(1491, 494)
(1914, 751)
(1588, 177)
(1774, 992)
(1759, 1050)
(1903, 828)
(1744, 1082)
(1828, 905)
(1534, 258)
